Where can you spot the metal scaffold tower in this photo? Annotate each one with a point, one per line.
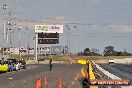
(8, 25)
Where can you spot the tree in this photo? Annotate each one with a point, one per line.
(109, 51)
(94, 52)
(86, 52)
(125, 53)
(119, 54)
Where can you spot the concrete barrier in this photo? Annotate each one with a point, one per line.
(126, 61)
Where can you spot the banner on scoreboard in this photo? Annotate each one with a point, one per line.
(49, 28)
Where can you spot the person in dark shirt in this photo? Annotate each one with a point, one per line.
(23, 62)
(50, 63)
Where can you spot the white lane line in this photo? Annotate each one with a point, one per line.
(76, 77)
(10, 78)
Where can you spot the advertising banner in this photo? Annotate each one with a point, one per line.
(49, 28)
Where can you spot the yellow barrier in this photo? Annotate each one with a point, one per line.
(81, 61)
(91, 74)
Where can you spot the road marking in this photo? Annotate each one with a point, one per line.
(10, 78)
(12, 85)
(73, 83)
(24, 81)
(76, 77)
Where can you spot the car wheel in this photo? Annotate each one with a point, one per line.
(9, 70)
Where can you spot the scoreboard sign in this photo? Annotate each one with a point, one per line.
(49, 28)
(48, 38)
(48, 35)
(48, 41)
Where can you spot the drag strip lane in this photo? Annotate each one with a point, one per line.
(120, 70)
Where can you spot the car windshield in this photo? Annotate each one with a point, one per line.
(12, 60)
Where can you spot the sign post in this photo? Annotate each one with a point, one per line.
(36, 46)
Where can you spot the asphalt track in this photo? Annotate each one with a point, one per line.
(120, 70)
(27, 78)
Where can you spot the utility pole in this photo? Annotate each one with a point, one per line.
(68, 38)
(12, 19)
(9, 29)
(28, 45)
(4, 26)
(8, 33)
(76, 47)
(34, 40)
(4, 38)
(19, 43)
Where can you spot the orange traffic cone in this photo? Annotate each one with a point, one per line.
(60, 83)
(38, 84)
(45, 81)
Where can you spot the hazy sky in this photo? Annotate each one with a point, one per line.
(99, 23)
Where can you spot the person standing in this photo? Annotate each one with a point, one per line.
(50, 63)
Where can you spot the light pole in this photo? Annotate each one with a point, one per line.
(28, 39)
(8, 35)
(68, 38)
(19, 43)
(76, 47)
(4, 24)
(4, 37)
(34, 48)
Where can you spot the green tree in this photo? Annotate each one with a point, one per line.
(94, 52)
(109, 51)
(124, 53)
(86, 52)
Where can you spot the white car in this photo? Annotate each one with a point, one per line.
(111, 61)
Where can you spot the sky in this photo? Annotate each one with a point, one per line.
(99, 23)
